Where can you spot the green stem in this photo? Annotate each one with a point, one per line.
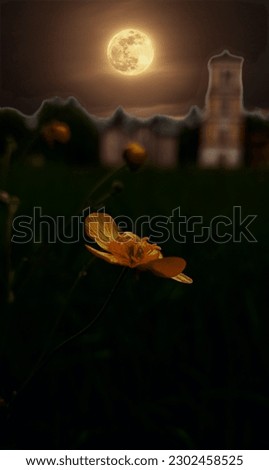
(43, 248)
(82, 273)
(45, 359)
(88, 326)
(100, 183)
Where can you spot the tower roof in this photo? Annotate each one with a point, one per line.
(225, 56)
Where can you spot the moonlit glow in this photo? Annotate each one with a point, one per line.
(130, 52)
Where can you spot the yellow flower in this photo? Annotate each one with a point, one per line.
(127, 249)
(135, 155)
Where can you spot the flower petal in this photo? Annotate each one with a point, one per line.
(105, 256)
(101, 228)
(183, 278)
(150, 256)
(166, 267)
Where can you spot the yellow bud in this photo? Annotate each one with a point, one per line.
(135, 155)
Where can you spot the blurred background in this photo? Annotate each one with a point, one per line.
(166, 365)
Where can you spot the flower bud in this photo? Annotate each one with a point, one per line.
(135, 155)
(56, 131)
(117, 186)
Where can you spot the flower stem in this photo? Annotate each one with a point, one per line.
(82, 273)
(43, 361)
(12, 204)
(88, 326)
(43, 249)
(101, 183)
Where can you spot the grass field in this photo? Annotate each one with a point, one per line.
(167, 365)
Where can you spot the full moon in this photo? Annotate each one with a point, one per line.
(130, 52)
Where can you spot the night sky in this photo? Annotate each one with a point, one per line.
(58, 48)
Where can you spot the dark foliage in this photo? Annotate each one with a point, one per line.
(167, 365)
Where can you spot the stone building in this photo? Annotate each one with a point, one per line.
(221, 141)
(222, 131)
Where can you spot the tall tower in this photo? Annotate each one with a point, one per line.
(222, 130)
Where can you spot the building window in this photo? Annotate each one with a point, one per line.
(226, 77)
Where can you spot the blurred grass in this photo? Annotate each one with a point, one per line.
(168, 365)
